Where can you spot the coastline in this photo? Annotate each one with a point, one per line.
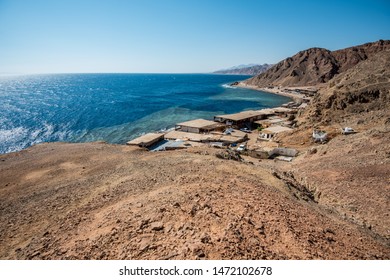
(275, 90)
(78, 122)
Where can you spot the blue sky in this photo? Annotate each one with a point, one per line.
(176, 36)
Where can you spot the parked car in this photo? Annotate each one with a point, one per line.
(347, 130)
(241, 148)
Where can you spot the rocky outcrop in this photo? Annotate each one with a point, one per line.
(316, 65)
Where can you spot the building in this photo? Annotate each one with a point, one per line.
(199, 126)
(284, 112)
(206, 138)
(270, 121)
(244, 119)
(147, 140)
(270, 132)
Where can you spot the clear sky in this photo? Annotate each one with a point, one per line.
(177, 36)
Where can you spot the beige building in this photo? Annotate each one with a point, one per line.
(270, 132)
(147, 140)
(199, 126)
(244, 118)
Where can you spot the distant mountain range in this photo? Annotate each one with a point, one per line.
(245, 69)
(315, 65)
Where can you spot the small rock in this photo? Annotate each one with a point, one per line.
(143, 224)
(197, 251)
(253, 242)
(157, 226)
(36, 253)
(205, 238)
(144, 245)
(328, 230)
(330, 239)
(261, 230)
(176, 204)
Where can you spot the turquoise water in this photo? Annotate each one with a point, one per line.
(113, 107)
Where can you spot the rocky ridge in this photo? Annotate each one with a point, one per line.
(362, 88)
(315, 65)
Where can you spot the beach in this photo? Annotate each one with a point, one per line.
(283, 91)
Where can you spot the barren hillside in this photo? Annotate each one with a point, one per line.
(316, 65)
(363, 88)
(99, 201)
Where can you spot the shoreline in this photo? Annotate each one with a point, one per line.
(277, 91)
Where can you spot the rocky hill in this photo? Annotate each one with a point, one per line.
(316, 65)
(246, 69)
(362, 88)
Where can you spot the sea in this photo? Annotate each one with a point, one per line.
(114, 108)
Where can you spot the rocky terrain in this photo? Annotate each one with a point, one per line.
(100, 201)
(363, 88)
(351, 173)
(315, 66)
(246, 69)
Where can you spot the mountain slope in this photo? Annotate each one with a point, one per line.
(246, 69)
(315, 66)
(350, 173)
(362, 88)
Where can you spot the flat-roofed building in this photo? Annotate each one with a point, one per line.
(147, 140)
(197, 137)
(284, 112)
(244, 118)
(270, 132)
(270, 121)
(199, 126)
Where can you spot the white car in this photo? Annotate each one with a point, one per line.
(242, 147)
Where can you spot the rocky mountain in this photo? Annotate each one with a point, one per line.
(316, 65)
(362, 88)
(249, 69)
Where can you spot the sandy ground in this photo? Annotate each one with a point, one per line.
(100, 201)
(275, 90)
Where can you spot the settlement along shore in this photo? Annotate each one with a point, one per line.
(250, 132)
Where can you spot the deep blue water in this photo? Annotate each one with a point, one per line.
(113, 107)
